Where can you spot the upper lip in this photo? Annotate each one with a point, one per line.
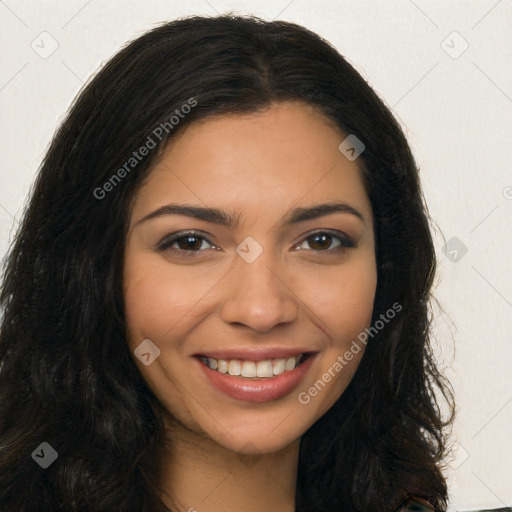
(254, 353)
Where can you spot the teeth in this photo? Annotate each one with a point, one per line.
(279, 366)
(234, 367)
(222, 366)
(249, 369)
(264, 369)
(252, 369)
(290, 364)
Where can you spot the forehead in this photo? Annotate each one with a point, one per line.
(282, 156)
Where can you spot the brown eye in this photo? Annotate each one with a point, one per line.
(324, 241)
(184, 242)
(189, 243)
(320, 242)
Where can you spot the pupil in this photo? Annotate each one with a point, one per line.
(324, 238)
(188, 243)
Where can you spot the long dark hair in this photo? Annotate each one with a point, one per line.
(67, 377)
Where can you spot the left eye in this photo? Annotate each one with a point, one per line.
(324, 240)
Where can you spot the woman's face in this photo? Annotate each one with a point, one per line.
(251, 276)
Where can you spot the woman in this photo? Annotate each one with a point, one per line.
(218, 298)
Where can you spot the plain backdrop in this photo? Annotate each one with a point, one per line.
(444, 67)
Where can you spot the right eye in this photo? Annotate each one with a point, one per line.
(185, 242)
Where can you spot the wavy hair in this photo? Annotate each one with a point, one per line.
(66, 374)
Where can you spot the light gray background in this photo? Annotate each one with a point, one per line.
(456, 110)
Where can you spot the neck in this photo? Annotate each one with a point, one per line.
(199, 475)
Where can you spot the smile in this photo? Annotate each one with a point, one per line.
(260, 381)
(253, 369)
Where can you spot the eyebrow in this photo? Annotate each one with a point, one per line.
(224, 218)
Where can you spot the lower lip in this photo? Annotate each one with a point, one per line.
(258, 390)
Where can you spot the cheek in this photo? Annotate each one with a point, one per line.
(345, 307)
(345, 302)
(157, 298)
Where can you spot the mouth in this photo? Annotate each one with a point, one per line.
(257, 379)
(249, 369)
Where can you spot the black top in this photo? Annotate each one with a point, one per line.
(419, 505)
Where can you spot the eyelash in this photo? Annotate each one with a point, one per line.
(167, 242)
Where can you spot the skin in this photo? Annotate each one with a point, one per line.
(229, 454)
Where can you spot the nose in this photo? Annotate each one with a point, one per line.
(258, 296)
